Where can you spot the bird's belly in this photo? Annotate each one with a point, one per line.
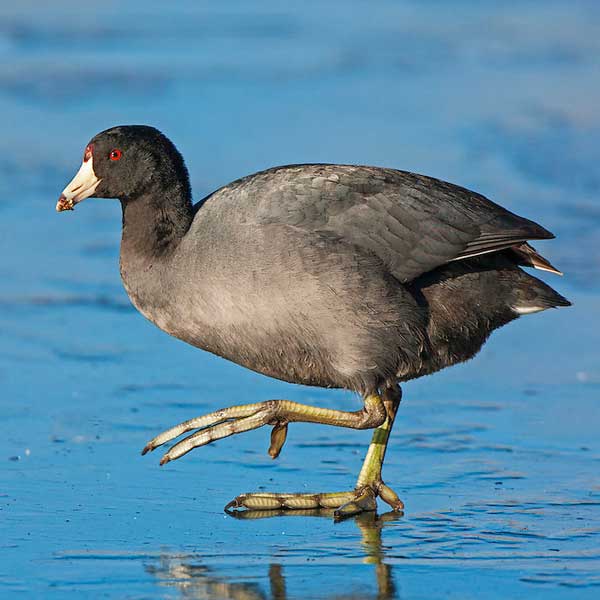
(345, 325)
(244, 332)
(311, 337)
(255, 341)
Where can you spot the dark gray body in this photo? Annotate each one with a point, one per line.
(336, 276)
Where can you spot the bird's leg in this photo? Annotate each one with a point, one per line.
(369, 477)
(368, 486)
(278, 413)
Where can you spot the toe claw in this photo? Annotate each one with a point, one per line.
(164, 460)
(235, 503)
(147, 448)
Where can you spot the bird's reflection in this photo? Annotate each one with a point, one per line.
(194, 580)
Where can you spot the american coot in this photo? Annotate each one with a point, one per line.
(336, 276)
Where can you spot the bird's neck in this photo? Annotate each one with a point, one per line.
(155, 222)
(153, 226)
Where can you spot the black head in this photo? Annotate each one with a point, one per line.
(126, 162)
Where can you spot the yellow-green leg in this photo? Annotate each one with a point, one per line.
(369, 484)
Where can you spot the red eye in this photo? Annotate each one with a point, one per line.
(115, 154)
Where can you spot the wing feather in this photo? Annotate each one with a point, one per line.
(411, 222)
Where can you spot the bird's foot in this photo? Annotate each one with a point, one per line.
(276, 413)
(221, 424)
(346, 504)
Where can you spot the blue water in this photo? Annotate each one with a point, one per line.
(497, 460)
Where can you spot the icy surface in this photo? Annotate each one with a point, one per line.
(498, 460)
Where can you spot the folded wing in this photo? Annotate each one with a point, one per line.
(411, 222)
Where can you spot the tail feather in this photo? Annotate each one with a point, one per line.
(527, 256)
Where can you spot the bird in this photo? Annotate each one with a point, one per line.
(332, 275)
